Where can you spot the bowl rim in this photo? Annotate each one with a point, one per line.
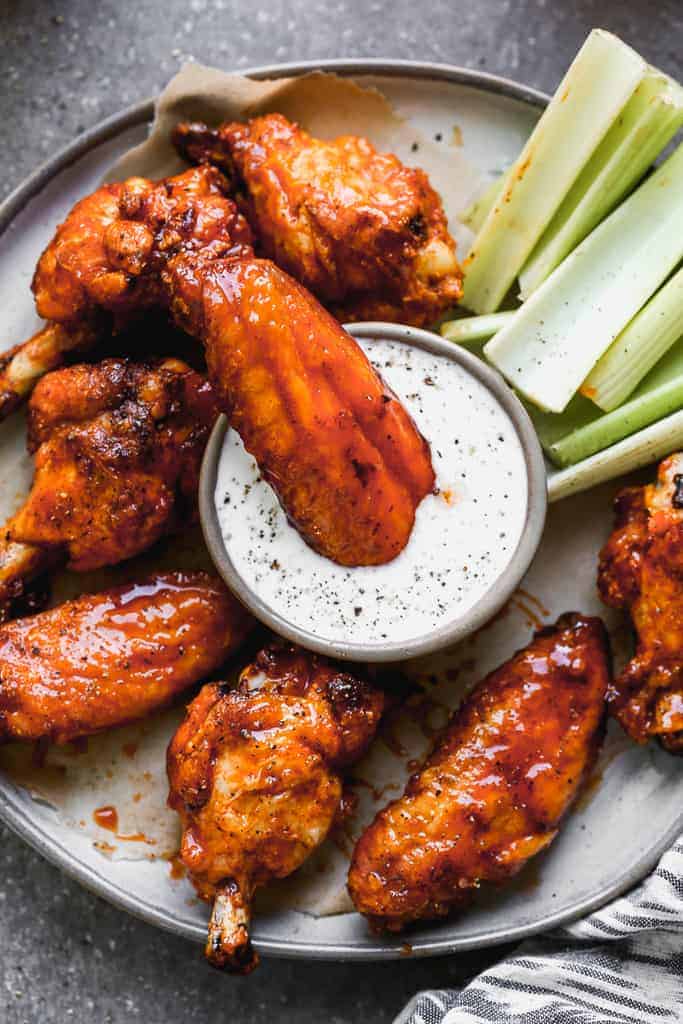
(501, 588)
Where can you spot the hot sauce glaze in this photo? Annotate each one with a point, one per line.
(497, 784)
(106, 817)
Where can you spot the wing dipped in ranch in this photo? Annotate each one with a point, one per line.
(497, 785)
(255, 775)
(344, 457)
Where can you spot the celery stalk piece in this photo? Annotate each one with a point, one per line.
(476, 213)
(648, 445)
(558, 335)
(582, 430)
(595, 89)
(645, 126)
(552, 427)
(638, 348)
(473, 331)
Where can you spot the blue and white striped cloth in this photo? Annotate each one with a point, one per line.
(622, 964)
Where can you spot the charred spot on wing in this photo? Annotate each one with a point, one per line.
(677, 498)
(363, 471)
(418, 226)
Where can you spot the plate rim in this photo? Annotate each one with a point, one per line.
(52, 848)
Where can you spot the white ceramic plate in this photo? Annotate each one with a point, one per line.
(604, 847)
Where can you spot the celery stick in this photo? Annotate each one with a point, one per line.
(648, 445)
(581, 430)
(647, 123)
(473, 331)
(558, 335)
(638, 348)
(596, 87)
(476, 213)
(553, 427)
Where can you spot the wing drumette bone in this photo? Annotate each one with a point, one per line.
(254, 774)
(103, 265)
(343, 455)
(118, 448)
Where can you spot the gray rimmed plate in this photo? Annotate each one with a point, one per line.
(604, 847)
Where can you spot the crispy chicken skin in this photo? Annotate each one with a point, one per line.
(367, 235)
(254, 774)
(344, 457)
(118, 448)
(494, 790)
(108, 253)
(106, 258)
(641, 569)
(110, 658)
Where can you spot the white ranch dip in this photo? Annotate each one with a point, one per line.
(462, 540)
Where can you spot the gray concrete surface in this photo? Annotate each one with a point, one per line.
(65, 955)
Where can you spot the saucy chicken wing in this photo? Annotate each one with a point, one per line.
(105, 260)
(118, 448)
(343, 455)
(494, 790)
(254, 774)
(367, 235)
(641, 569)
(110, 658)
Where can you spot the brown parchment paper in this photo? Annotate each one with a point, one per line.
(325, 104)
(125, 768)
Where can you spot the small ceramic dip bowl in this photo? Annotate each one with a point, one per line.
(471, 544)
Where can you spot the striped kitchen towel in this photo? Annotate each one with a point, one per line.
(623, 964)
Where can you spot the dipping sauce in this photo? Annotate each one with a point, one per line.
(463, 538)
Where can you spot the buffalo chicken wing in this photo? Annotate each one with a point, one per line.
(494, 790)
(641, 569)
(254, 774)
(110, 658)
(118, 448)
(367, 235)
(104, 264)
(343, 455)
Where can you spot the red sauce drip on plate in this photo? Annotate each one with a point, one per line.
(106, 817)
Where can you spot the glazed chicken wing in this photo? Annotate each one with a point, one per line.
(494, 790)
(367, 235)
(344, 457)
(118, 448)
(104, 263)
(106, 659)
(254, 774)
(641, 569)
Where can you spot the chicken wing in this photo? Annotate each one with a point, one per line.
(495, 788)
(110, 658)
(344, 457)
(104, 263)
(367, 235)
(118, 448)
(641, 569)
(254, 774)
